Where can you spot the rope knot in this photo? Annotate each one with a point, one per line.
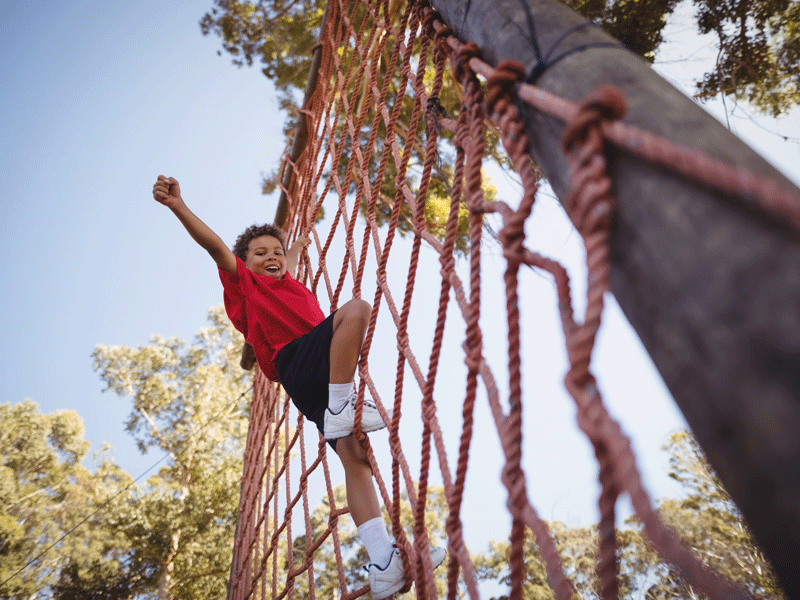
(427, 21)
(512, 237)
(590, 204)
(603, 104)
(500, 86)
(465, 54)
(434, 111)
(440, 39)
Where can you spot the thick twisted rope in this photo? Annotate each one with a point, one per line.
(373, 57)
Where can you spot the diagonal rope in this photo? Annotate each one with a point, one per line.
(380, 65)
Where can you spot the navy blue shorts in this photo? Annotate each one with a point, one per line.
(304, 366)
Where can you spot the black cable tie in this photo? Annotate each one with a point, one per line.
(544, 63)
(582, 48)
(537, 72)
(464, 20)
(532, 30)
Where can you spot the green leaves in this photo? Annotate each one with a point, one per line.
(45, 493)
(278, 33)
(171, 537)
(759, 51)
(189, 402)
(705, 519)
(638, 25)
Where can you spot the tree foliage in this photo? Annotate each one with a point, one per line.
(279, 34)
(708, 521)
(190, 403)
(73, 534)
(759, 51)
(758, 41)
(637, 25)
(49, 524)
(705, 519)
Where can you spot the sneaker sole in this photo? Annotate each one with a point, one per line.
(335, 435)
(387, 593)
(340, 433)
(436, 564)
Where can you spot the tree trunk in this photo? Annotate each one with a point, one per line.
(710, 283)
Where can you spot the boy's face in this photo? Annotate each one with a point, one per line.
(265, 256)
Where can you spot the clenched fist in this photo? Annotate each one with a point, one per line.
(167, 191)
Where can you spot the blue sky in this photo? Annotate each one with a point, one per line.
(97, 99)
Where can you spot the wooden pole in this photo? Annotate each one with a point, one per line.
(301, 135)
(709, 282)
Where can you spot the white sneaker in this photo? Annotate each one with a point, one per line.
(437, 556)
(342, 423)
(383, 582)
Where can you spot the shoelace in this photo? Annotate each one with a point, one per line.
(367, 403)
(368, 565)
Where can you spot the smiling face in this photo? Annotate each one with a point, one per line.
(265, 256)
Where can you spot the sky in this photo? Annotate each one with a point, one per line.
(99, 98)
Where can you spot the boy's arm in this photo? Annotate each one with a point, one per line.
(293, 253)
(167, 191)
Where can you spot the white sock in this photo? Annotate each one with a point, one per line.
(338, 394)
(376, 541)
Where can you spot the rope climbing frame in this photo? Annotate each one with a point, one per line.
(375, 125)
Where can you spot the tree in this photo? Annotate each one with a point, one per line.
(638, 25)
(80, 535)
(192, 404)
(705, 519)
(759, 52)
(708, 521)
(41, 463)
(50, 527)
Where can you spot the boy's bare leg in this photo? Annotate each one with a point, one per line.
(349, 328)
(361, 496)
(350, 325)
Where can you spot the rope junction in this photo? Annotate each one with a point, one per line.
(373, 71)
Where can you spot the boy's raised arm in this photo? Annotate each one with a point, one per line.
(167, 191)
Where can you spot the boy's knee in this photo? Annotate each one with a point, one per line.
(352, 454)
(362, 307)
(358, 309)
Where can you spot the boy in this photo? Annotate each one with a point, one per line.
(313, 357)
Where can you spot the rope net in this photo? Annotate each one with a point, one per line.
(370, 166)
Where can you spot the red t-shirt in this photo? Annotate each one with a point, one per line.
(269, 312)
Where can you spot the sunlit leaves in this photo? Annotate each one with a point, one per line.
(190, 402)
(759, 51)
(48, 517)
(704, 517)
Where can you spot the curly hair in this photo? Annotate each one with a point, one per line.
(243, 241)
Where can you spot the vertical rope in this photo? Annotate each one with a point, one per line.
(376, 55)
